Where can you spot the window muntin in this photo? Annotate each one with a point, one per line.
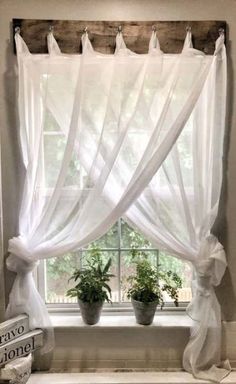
(117, 244)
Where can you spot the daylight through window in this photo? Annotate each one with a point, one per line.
(117, 244)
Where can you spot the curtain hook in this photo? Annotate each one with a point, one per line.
(120, 29)
(154, 28)
(85, 30)
(51, 28)
(17, 30)
(188, 28)
(221, 31)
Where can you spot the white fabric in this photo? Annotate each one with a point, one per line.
(154, 44)
(177, 211)
(52, 45)
(118, 117)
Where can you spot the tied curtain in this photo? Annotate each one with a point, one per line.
(132, 135)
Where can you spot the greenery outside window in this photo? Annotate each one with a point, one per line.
(117, 243)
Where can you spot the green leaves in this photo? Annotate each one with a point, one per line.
(92, 279)
(107, 266)
(148, 284)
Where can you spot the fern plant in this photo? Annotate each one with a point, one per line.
(148, 283)
(93, 279)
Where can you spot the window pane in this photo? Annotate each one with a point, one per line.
(54, 147)
(114, 282)
(183, 269)
(128, 268)
(50, 124)
(58, 272)
(109, 240)
(131, 238)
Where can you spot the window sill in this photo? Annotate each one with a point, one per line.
(162, 319)
(118, 342)
(122, 378)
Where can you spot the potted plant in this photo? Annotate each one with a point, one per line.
(92, 288)
(146, 289)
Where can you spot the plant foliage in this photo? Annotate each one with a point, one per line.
(149, 283)
(92, 279)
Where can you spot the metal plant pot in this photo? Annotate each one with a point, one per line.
(90, 312)
(144, 312)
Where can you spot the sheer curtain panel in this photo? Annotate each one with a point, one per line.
(177, 210)
(101, 138)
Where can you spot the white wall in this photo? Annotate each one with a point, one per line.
(115, 10)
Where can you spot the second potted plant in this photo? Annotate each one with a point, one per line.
(92, 288)
(147, 287)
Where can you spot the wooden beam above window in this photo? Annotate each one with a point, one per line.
(136, 34)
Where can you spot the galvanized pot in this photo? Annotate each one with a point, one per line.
(90, 312)
(144, 312)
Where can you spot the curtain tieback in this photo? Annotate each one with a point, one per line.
(20, 259)
(209, 267)
(20, 266)
(211, 263)
(202, 353)
(204, 286)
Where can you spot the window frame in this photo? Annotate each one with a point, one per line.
(115, 307)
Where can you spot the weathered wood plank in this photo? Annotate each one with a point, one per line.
(21, 346)
(102, 34)
(13, 328)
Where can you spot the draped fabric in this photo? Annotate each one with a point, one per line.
(178, 209)
(122, 127)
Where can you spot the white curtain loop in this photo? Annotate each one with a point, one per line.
(53, 47)
(120, 44)
(15, 264)
(154, 45)
(188, 41)
(21, 46)
(188, 46)
(86, 44)
(220, 44)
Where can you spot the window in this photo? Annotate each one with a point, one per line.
(117, 244)
(53, 274)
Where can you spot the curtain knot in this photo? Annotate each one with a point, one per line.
(211, 262)
(20, 266)
(204, 286)
(19, 246)
(21, 258)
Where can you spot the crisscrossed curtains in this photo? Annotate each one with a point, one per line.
(119, 116)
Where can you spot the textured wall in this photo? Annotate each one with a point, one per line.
(116, 10)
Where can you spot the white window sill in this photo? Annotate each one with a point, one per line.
(162, 319)
(122, 378)
(118, 342)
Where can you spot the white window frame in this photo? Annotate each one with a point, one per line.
(117, 307)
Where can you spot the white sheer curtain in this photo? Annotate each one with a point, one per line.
(94, 131)
(178, 209)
